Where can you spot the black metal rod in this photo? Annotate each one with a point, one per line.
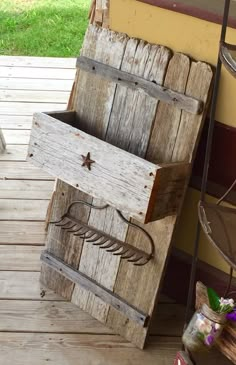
(206, 163)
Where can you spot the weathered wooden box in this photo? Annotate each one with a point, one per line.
(144, 190)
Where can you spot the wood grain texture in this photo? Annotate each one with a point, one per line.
(19, 108)
(34, 96)
(17, 209)
(26, 189)
(149, 62)
(134, 82)
(47, 316)
(14, 153)
(46, 62)
(36, 73)
(79, 349)
(16, 122)
(22, 233)
(11, 170)
(24, 285)
(146, 291)
(20, 258)
(36, 84)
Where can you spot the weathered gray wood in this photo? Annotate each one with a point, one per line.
(124, 78)
(150, 62)
(121, 179)
(92, 286)
(2, 142)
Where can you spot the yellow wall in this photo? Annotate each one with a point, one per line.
(183, 33)
(199, 39)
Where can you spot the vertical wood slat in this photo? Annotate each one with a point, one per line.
(127, 131)
(94, 118)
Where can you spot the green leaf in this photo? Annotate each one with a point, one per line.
(214, 299)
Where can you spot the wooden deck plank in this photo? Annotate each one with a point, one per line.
(21, 170)
(77, 349)
(50, 317)
(14, 152)
(16, 122)
(28, 210)
(13, 136)
(35, 84)
(26, 189)
(20, 258)
(24, 233)
(37, 73)
(34, 96)
(17, 108)
(24, 61)
(24, 285)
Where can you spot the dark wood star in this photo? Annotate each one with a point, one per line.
(87, 161)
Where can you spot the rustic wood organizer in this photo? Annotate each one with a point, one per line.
(127, 141)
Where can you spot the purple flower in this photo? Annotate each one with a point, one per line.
(209, 340)
(231, 316)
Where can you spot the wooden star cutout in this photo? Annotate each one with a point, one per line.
(87, 161)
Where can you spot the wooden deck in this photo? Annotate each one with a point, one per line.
(36, 326)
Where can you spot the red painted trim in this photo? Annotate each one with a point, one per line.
(197, 12)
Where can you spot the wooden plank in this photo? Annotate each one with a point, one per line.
(49, 317)
(22, 233)
(17, 209)
(24, 285)
(144, 294)
(11, 170)
(37, 73)
(138, 83)
(20, 258)
(16, 122)
(110, 51)
(26, 189)
(42, 62)
(36, 84)
(17, 136)
(123, 180)
(150, 62)
(2, 142)
(77, 349)
(92, 286)
(17, 108)
(14, 153)
(33, 96)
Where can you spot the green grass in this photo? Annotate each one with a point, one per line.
(42, 27)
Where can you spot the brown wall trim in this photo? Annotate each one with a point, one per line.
(198, 10)
(222, 168)
(177, 276)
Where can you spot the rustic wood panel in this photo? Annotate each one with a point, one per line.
(24, 285)
(17, 136)
(22, 258)
(26, 189)
(32, 96)
(36, 73)
(36, 84)
(17, 209)
(51, 317)
(45, 62)
(21, 170)
(18, 108)
(150, 62)
(14, 153)
(98, 116)
(198, 83)
(22, 233)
